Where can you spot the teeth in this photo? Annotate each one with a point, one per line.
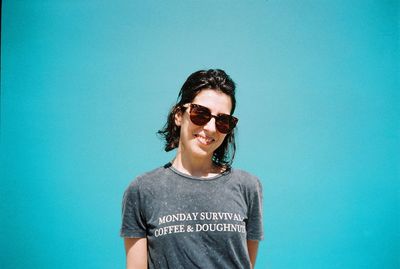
(204, 140)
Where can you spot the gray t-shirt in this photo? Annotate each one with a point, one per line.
(194, 222)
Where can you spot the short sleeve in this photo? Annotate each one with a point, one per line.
(133, 224)
(254, 222)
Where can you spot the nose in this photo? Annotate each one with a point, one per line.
(210, 126)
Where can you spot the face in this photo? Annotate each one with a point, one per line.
(202, 141)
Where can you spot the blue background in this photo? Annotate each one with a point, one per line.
(85, 85)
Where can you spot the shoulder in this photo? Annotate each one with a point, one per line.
(249, 184)
(151, 175)
(245, 177)
(147, 178)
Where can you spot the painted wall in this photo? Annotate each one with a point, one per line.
(85, 85)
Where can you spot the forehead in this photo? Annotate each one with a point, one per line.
(216, 101)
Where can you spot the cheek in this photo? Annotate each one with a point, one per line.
(221, 139)
(188, 129)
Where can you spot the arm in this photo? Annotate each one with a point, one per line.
(252, 247)
(136, 253)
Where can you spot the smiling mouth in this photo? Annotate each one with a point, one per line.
(204, 139)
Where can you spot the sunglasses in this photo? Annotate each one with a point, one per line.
(200, 115)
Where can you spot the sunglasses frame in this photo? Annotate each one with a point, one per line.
(219, 122)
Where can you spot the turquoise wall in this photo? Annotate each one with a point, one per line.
(85, 85)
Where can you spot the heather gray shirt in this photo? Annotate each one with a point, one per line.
(194, 222)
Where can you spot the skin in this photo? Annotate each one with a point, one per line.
(136, 253)
(252, 248)
(194, 157)
(198, 143)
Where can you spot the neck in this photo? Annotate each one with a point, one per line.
(198, 167)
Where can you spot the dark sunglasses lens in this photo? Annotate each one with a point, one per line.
(224, 124)
(200, 115)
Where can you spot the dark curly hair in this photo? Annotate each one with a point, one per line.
(215, 79)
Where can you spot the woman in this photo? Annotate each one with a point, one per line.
(196, 211)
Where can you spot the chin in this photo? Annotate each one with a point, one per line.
(201, 153)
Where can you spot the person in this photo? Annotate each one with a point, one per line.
(196, 211)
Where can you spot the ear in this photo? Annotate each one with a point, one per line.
(178, 117)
